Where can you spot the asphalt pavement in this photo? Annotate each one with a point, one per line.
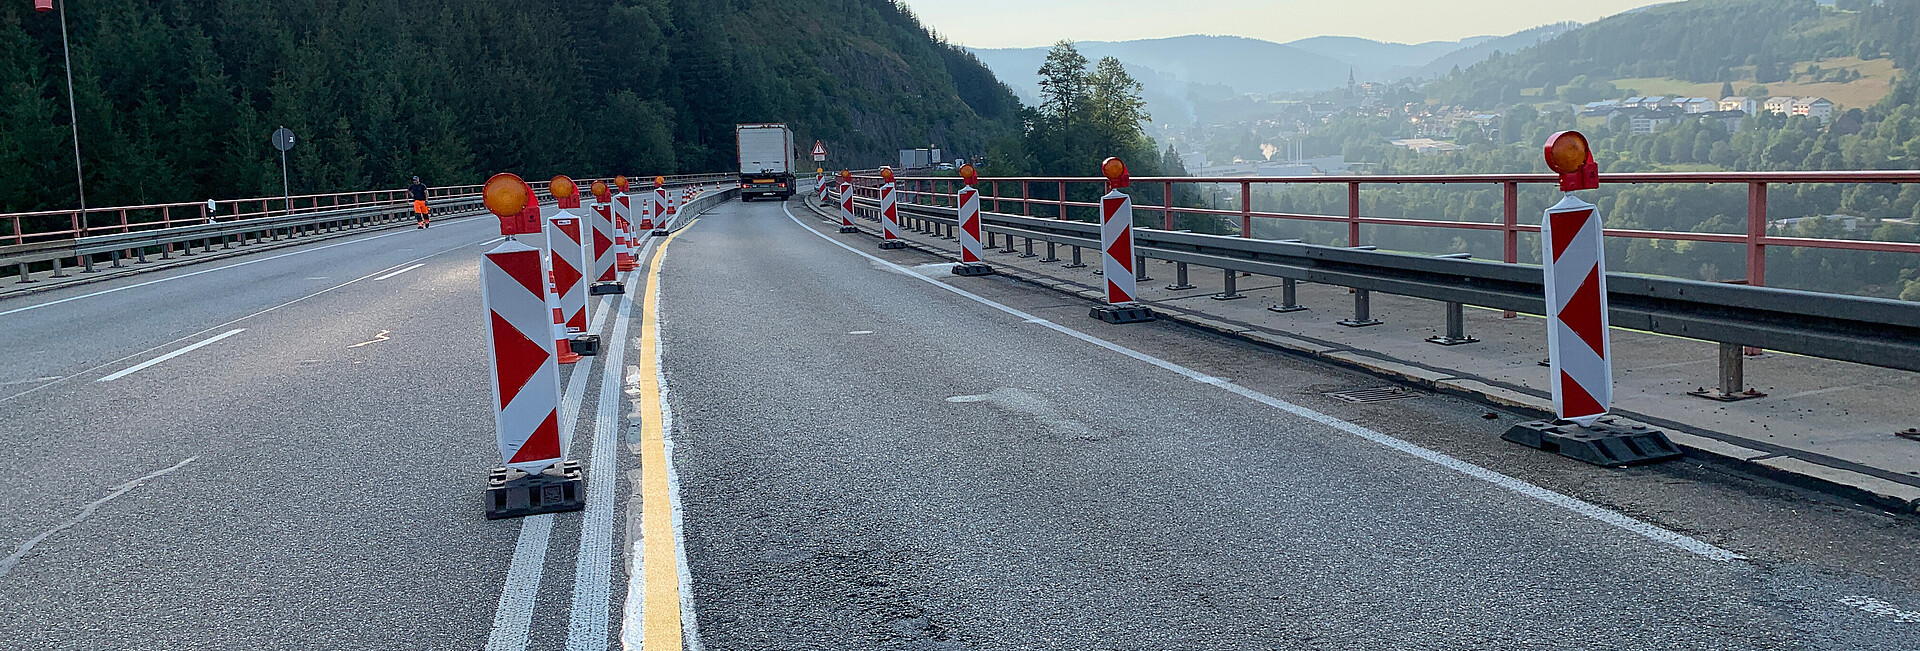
(868, 460)
(278, 451)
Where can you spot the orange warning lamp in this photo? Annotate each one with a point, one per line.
(846, 176)
(659, 181)
(1569, 156)
(622, 183)
(43, 6)
(600, 191)
(507, 197)
(968, 175)
(1116, 172)
(564, 191)
(886, 174)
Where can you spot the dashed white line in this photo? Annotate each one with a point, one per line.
(136, 368)
(587, 619)
(1576, 505)
(401, 271)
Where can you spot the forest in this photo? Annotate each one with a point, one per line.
(176, 98)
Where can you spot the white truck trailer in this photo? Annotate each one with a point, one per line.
(766, 160)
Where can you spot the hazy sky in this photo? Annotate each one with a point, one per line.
(1028, 23)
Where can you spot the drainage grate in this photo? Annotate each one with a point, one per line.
(1376, 394)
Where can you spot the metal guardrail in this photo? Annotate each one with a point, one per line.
(163, 241)
(1872, 331)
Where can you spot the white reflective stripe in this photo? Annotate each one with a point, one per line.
(143, 365)
(401, 271)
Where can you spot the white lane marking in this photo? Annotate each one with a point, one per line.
(376, 339)
(211, 329)
(861, 332)
(1868, 604)
(136, 368)
(587, 619)
(513, 615)
(396, 273)
(196, 273)
(31, 380)
(523, 583)
(1576, 505)
(7, 564)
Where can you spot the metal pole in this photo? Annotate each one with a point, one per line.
(1230, 288)
(1180, 277)
(1362, 310)
(1288, 297)
(286, 196)
(79, 177)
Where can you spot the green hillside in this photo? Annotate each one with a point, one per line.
(177, 97)
(1701, 44)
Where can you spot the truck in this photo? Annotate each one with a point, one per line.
(766, 160)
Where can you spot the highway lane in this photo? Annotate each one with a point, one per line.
(869, 461)
(321, 469)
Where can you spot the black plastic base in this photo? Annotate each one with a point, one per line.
(1610, 441)
(972, 269)
(1283, 309)
(1179, 288)
(585, 345)
(606, 288)
(1227, 297)
(660, 232)
(1451, 341)
(1357, 323)
(849, 229)
(1128, 313)
(512, 493)
(893, 244)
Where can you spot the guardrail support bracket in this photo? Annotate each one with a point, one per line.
(1732, 377)
(1456, 328)
(1362, 311)
(1611, 441)
(1180, 278)
(1289, 292)
(1076, 260)
(1231, 289)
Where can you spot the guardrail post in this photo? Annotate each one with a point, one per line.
(24, 277)
(1140, 268)
(57, 272)
(1231, 288)
(1179, 277)
(1509, 228)
(1076, 260)
(1362, 310)
(142, 252)
(86, 263)
(1050, 256)
(116, 259)
(1289, 297)
(1029, 253)
(991, 241)
(1733, 381)
(1353, 214)
(1456, 327)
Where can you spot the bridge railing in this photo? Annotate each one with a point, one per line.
(1052, 197)
(49, 225)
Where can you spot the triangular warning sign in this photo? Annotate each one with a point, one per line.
(819, 149)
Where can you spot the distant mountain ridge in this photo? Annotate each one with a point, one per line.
(1239, 64)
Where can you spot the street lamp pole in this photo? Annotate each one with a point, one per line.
(73, 113)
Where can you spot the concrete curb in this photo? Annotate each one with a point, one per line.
(199, 258)
(1710, 447)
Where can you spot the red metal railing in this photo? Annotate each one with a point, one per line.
(1755, 239)
(123, 219)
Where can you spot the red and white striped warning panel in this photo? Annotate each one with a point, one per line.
(1116, 246)
(889, 212)
(567, 259)
(969, 218)
(603, 253)
(624, 237)
(526, 375)
(1578, 349)
(846, 204)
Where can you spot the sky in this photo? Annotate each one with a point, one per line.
(1031, 23)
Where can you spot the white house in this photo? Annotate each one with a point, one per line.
(1745, 105)
(1815, 107)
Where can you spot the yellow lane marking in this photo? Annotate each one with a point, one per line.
(659, 559)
